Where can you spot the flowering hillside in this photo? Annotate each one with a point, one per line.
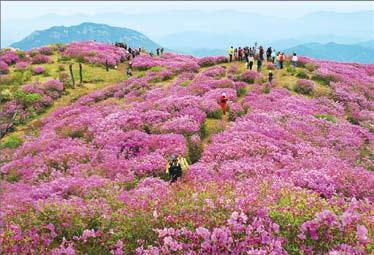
(288, 171)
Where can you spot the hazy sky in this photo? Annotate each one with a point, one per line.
(19, 9)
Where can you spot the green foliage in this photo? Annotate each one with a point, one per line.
(291, 70)
(61, 68)
(27, 99)
(328, 117)
(12, 142)
(156, 69)
(241, 92)
(322, 80)
(217, 114)
(302, 75)
(140, 75)
(185, 83)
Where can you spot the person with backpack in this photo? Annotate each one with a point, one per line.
(294, 60)
(230, 51)
(223, 102)
(281, 60)
(270, 76)
(174, 169)
(251, 60)
(158, 51)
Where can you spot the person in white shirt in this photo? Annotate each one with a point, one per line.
(294, 60)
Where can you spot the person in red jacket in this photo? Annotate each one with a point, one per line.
(223, 103)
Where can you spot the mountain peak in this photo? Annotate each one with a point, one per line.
(83, 32)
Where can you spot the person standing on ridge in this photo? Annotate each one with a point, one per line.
(236, 54)
(261, 53)
(273, 56)
(162, 51)
(259, 64)
(268, 54)
(294, 60)
(223, 102)
(270, 76)
(158, 51)
(251, 60)
(230, 51)
(281, 60)
(240, 54)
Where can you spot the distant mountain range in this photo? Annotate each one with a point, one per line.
(361, 52)
(84, 32)
(196, 43)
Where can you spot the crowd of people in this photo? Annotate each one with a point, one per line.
(258, 55)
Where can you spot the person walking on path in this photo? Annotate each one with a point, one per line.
(236, 54)
(230, 51)
(251, 60)
(294, 60)
(223, 102)
(270, 76)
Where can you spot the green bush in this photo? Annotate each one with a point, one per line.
(185, 83)
(27, 99)
(328, 117)
(12, 142)
(156, 69)
(241, 92)
(302, 75)
(217, 114)
(324, 80)
(291, 70)
(6, 95)
(140, 75)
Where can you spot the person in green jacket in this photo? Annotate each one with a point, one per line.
(230, 51)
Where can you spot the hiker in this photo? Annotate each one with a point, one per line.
(251, 60)
(162, 51)
(294, 60)
(259, 64)
(230, 51)
(158, 51)
(268, 54)
(246, 54)
(240, 54)
(273, 56)
(130, 50)
(270, 76)
(261, 53)
(151, 54)
(130, 64)
(129, 72)
(223, 102)
(277, 60)
(174, 168)
(281, 60)
(236, 54)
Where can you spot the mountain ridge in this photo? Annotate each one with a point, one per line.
(83, 32)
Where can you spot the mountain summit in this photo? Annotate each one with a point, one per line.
(83, 32)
